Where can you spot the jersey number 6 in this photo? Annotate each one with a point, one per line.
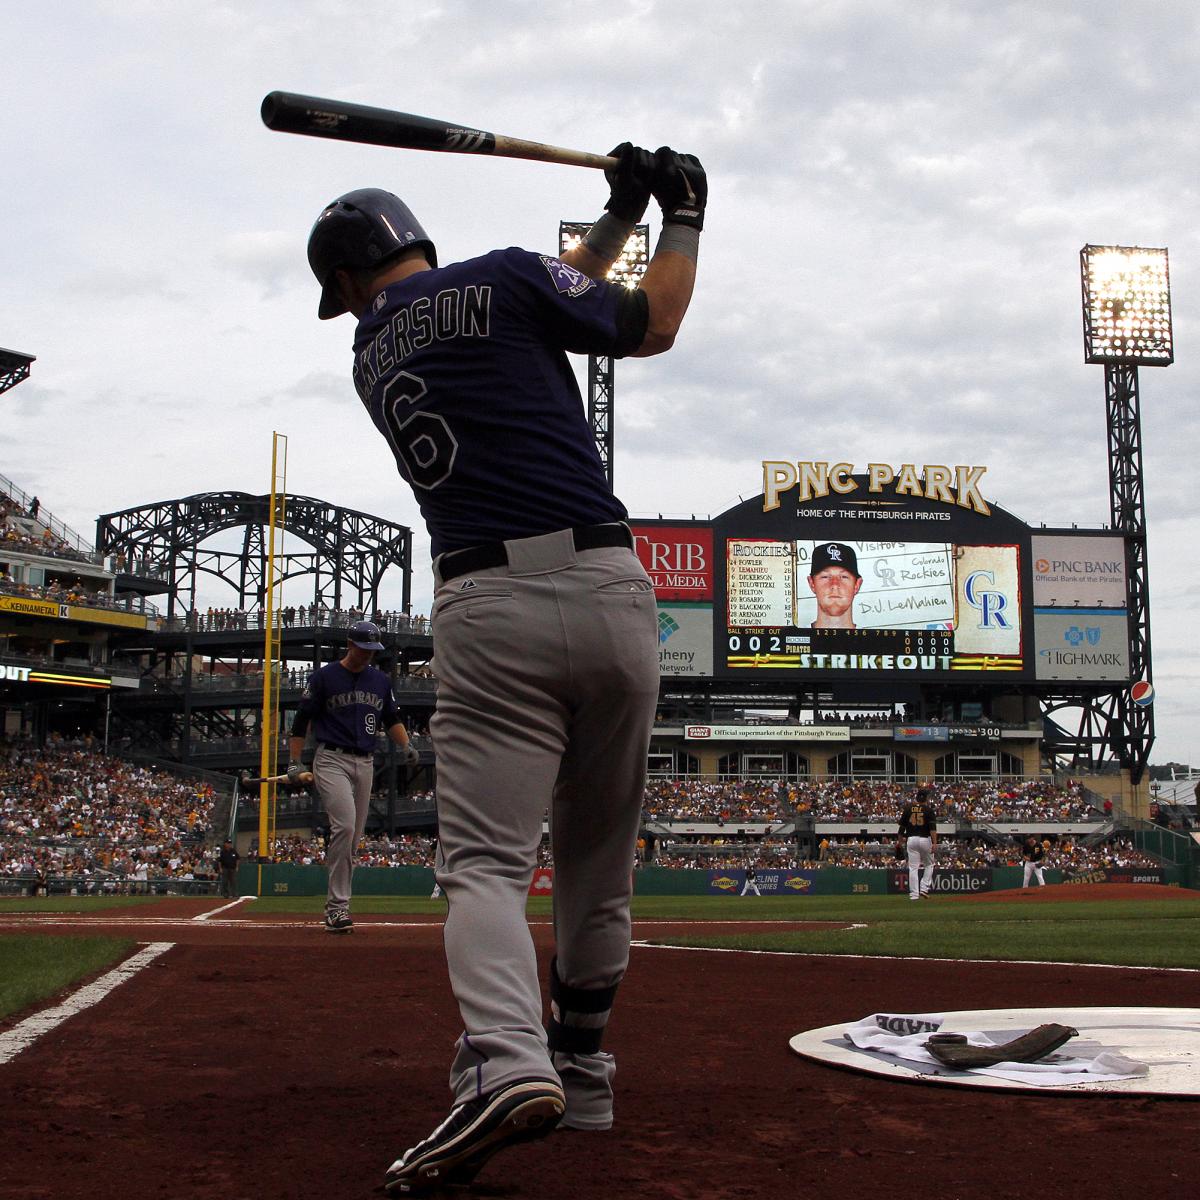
(422, 442)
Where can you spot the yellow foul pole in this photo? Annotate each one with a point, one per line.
(269, 755)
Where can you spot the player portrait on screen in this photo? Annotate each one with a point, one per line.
(835, 581)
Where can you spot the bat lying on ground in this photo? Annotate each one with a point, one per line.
(245, 779)
(287, 112)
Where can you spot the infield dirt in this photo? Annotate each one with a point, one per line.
(268, 1060)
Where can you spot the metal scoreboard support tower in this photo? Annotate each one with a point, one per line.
(600, 408)
(627, 271)
(1127, 323)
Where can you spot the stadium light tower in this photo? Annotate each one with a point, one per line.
(1127, 324)
(628, 270)
(14, 367)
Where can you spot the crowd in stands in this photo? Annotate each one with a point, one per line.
(66, 809)
(21, 530)
(866, 801)
(380, 850)
(708, 800)
(76, 592)
(304, 616)
(291, 677)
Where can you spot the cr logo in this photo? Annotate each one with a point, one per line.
(990, 603)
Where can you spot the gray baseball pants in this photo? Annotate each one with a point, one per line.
(547, 685)
(344, 785)
(920, 866)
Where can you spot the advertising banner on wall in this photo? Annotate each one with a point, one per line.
(685, 639)
(678, 559)
(949, 883)
(1070, 571)
(1081, 644)
(774, 733)
(1118, 875)
(782, 882)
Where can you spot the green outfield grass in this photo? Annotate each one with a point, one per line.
(32, 969)
(1152, 932)
(1149, 933)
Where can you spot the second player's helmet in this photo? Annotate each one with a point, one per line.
(361, 229)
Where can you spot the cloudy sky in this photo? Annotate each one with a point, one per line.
(889, 269)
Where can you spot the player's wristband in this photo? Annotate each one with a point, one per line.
(682, 239)
(607, 237)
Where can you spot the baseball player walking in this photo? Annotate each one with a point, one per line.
(544, 621)
(347, 702)
(918, 826)
(1033, 852)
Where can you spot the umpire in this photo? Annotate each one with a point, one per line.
(227, 861)
(543, 620)
(348, 703)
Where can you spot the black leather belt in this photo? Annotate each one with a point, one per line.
(493, 554)
(346, 750)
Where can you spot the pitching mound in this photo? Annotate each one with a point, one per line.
(1081, 891)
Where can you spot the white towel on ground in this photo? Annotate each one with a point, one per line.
(902, 1035)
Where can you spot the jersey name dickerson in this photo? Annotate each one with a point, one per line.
(452, 313)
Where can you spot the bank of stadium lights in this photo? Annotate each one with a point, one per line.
(1126, 306)
(630, 264)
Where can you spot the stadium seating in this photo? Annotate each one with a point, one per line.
(68, 811)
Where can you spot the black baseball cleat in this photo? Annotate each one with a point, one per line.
(454, 1153)
(338, 921)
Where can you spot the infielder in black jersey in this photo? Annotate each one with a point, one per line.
(1033, 852)
(918, 826)
(544, 621)
(349, 703)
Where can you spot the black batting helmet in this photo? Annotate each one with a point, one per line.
(361, 229)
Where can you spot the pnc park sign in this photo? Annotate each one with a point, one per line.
(957, 486)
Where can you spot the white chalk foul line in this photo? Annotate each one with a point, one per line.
(995, 962)
(224, 908)
(36, 920)
(23, 1035)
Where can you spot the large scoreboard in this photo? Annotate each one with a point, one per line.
(867, 578)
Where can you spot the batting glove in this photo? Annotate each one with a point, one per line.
(294, 771)
(412, 755)
(630, 181)
(681, 188)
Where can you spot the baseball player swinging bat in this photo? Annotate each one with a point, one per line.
(289, 113)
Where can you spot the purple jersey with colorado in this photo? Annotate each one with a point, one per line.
(464, 370)
(348, 709)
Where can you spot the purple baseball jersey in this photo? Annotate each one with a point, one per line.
(464, 370)
(347, 710)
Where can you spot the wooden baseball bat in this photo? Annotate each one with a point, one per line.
(246, 780)
(288, 113)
